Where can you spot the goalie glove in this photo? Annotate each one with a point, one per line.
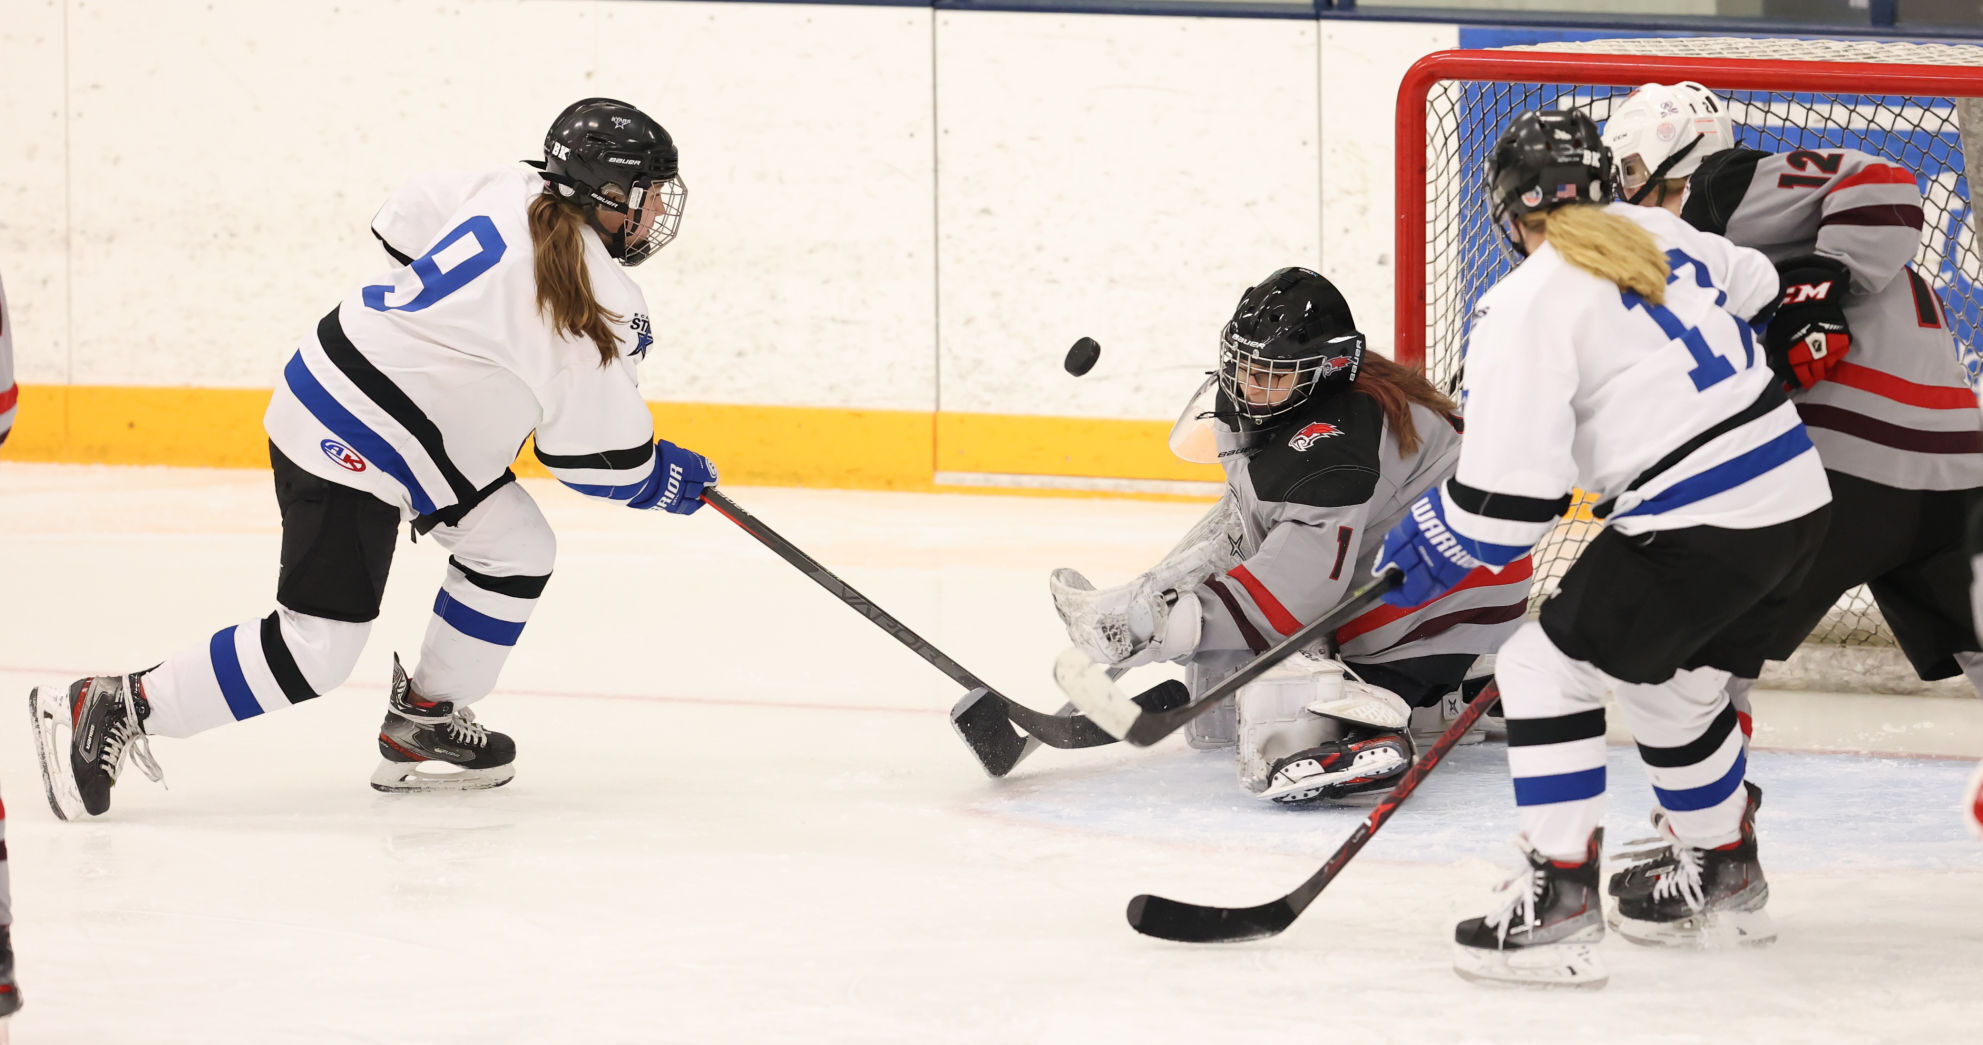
(1132, 624)
(1809, 337)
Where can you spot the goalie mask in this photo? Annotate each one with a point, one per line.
(1544, 160)
(1662, 132)
(623, 168)
(1291, 337)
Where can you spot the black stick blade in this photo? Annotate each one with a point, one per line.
(1190, 923)
(980, 719)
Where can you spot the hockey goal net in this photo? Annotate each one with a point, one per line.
(1911, 103)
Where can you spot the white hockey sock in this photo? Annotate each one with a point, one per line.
(1555, 712)
(1692, 744)
(284, 658)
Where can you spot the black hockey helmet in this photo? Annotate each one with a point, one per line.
(1544, 160)
(1291, 336)
(623, 168)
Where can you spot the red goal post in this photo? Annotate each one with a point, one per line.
(1916, 104)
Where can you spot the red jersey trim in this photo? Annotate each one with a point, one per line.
(1515, 572)
(1277, 614)
(9, 398)
(1877, 174)
(1901, 390)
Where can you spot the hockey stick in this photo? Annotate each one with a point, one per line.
(1139, 722)
(1191, 923)
(984, 718)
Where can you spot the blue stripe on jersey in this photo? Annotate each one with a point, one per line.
(474, 623)
(1707, 796)
(1727, 475)
(227, 671)
(355, 433)
(1559, 787)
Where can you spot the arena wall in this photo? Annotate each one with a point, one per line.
(898, 218)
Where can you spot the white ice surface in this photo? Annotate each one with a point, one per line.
(740, 816)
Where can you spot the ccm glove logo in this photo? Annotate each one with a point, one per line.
(1809, 337)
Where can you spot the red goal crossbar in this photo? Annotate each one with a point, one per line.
(1608, 70)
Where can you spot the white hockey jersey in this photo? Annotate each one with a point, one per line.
(10, 393)
(421, 385)
(1573, 383)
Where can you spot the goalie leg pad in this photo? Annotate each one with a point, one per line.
(1274, 716)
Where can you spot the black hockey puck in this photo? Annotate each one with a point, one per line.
(1081, 358)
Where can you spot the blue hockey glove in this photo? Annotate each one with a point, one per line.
(1427, 552)
(678, 480)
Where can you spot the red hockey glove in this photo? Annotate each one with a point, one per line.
(1808, 337)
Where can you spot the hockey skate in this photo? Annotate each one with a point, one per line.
(431, 746)
(10, 995)
(1689, 897)
(1547, 930)
(82, 737)
(1644, 860)
(1363, 761)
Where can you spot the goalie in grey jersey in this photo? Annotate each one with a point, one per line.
(1863, 345)
(1324, 448)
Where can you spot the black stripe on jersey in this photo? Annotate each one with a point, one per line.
(1692, 754)
(1715, 191)
(1476, 501)
(1561, 729)
(514, 587)
(396, 255)
(1254, 640)
(619, 460)
(1925, 312)
(387, 396)
(282, 664)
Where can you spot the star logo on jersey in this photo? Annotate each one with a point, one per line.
(1312, 433)
(643, 330)
(342, 456)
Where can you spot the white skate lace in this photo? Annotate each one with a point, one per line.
(1683, 879)
(129, 737)
(463, 727)
(1522, 892)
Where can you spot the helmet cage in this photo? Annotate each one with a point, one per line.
(1246, 367)
(647, 216)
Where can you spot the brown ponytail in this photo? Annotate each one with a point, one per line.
(1396, 387)
(564, 287)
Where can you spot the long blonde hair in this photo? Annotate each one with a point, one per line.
(1606, 246)
(564, 287)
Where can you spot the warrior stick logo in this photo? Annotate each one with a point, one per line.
(342, 456)
(1312, 433)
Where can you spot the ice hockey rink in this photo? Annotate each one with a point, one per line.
(740, 815)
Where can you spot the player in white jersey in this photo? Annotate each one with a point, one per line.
(1324, 447)
(1617, 358)
(1864, 349)
(10, 393)
(10, 995)
(508, 315)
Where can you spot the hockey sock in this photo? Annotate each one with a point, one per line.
(1555, 713)
(285, 658)
(477, 618)
(1692, 744)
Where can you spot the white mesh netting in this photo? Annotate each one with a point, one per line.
(1853, 649)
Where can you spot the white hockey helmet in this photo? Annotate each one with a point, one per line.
(1664, 131)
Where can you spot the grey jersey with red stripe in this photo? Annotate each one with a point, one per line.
(1898, 409)
(1315, 500)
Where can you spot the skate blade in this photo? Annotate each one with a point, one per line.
(52, 735)
(1711, 930)
(406, 778)
(1577, 965)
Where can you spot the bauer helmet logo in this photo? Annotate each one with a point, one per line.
(1312, 433)
(342, 456)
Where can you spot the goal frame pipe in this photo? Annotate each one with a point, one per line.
(1607, 70)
